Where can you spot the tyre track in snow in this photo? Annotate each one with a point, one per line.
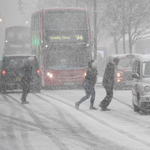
(11, 138)
(84, 138)
(81, 133)
(41, 126)
(123, 102)
(128, 116)
(84, 141)
(105, 123)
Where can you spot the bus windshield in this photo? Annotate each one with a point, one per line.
(66, 27)
(65, 20)
(17, 34)
(17, 40)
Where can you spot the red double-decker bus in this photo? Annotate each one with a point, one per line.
(17, 40)
(61, 40)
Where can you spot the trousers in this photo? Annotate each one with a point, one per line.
(26, 90)
(89, 91)
(109, 95)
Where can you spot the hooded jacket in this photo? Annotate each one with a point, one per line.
(91, 74)
(27, 73)
(108, 78)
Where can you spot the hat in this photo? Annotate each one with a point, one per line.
(116, 60)
(90, 63)
(30, 58)
(95, 64)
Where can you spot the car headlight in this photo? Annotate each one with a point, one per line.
(118, 74)
(118, 80)
(49, 74)
(147, 88)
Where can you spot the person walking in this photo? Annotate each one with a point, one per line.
(89, 84)
(26, 78)
(108, 83)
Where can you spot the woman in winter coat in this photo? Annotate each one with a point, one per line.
(89, 84)
(26, 79)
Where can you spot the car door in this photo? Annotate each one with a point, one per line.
(136, 81)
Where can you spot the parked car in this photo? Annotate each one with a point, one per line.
(11, 73)
(141, 84)
(123, 71)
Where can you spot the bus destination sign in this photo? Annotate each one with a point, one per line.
(78, 37)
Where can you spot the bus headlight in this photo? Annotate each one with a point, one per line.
(147, 89)
(49, 74)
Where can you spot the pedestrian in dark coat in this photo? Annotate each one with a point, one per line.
(26, 79)
(89, 84)
(108, 83)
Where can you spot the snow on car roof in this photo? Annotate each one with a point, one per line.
(124, 55)
(145, 57)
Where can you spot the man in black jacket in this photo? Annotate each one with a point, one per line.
(26, 79)
(108, 83)
(89, 83)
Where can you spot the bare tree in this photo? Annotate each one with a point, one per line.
(131, 17)
(137, 20)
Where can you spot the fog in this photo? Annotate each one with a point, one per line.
(11, 16)
(111, 30)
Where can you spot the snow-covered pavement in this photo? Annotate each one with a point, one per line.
(50, 121)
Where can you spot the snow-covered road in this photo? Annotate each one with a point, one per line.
(50, 121)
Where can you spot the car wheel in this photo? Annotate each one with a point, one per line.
(142, 112)
(3, 89)
(38, 91)
(38, 88)
(136, 109)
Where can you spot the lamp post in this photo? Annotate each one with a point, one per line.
(95, 29)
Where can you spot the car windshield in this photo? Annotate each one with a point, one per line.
(15, 62)
(146, 69)
(125, 62)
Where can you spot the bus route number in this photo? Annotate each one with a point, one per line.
(79, 37)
